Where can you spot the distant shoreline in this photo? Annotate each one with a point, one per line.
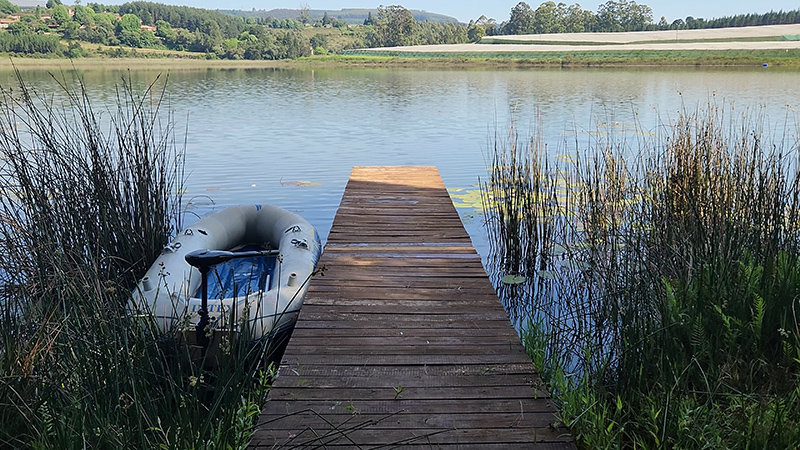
(605, 59)
(777, 45)
(764, 46)
(141, 63)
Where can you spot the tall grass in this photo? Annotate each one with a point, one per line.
(88, 200)
(662, 280)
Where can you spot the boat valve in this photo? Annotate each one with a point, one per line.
(292, 280)
(147, 284)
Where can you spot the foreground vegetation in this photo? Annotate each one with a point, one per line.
(657, 281)
(83, 213)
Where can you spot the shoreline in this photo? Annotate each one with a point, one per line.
(135, 63)
(787, 60)
(775, 46)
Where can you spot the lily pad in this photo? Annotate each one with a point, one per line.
(548, 274)
(513, 279)
(300, 183)
(574, 264)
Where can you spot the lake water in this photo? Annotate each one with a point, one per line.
(291, 137)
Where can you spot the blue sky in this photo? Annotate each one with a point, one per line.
(465, 10)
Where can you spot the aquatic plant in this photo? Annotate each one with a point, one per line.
(88, 201)
(662, 279)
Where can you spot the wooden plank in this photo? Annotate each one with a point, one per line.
(489, 334)
(367, 431)
(434, 420)
(390, 405)
(380, 376)
(387, 392)
(402, 326)
(439, 374)
(403, 342)
(378, 359)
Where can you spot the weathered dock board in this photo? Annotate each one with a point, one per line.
(403, 342)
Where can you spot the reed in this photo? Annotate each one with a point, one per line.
(88, 201)
(662, 279)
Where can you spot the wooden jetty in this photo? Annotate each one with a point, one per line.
(403, 342)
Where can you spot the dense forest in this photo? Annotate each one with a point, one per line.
(120, 30)
(613, 16)
(353, 16)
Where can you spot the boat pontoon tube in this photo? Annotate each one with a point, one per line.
(168, 289)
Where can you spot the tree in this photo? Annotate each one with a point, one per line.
(18, 27)
(637, 17)
(209, 36)
(521, 20)
(489, 25)
(104, 32)
(623, 15)
(326, 20)
(129, 32)
(369, 20)
(305, 16)
(475, 32)
(52, 3)
(83, 15)
(8, 8)
(396, 26)
(319, 40)
(577, 20)
(128, 22)
(545, 19)
(60, 14)
(70, 30)
(164, 30)
(677, 24)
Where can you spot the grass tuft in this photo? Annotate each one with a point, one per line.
(87, 201)
(662, 280)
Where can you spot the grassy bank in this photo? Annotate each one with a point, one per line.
(595, 43)
(599, 58)
(155, 64)
(88, 201)
(450, 60)
(659, 279)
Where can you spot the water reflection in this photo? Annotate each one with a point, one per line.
(249, 129)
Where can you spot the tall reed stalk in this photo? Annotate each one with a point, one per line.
(661, 280)
(87, 201)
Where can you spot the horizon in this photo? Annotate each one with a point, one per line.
(468, 10)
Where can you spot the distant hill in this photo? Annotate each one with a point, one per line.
(25, 4)
(349, 15)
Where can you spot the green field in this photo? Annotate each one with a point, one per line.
(782, 58)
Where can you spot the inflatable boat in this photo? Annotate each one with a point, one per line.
(263, 290)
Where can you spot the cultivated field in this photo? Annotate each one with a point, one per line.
(750, 33)
(771, 37)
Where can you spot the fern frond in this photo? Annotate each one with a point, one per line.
(758, 314)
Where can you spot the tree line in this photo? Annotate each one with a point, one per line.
(612, 16)
(142, 24)
(181, 28)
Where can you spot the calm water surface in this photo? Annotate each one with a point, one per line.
(291, 137)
